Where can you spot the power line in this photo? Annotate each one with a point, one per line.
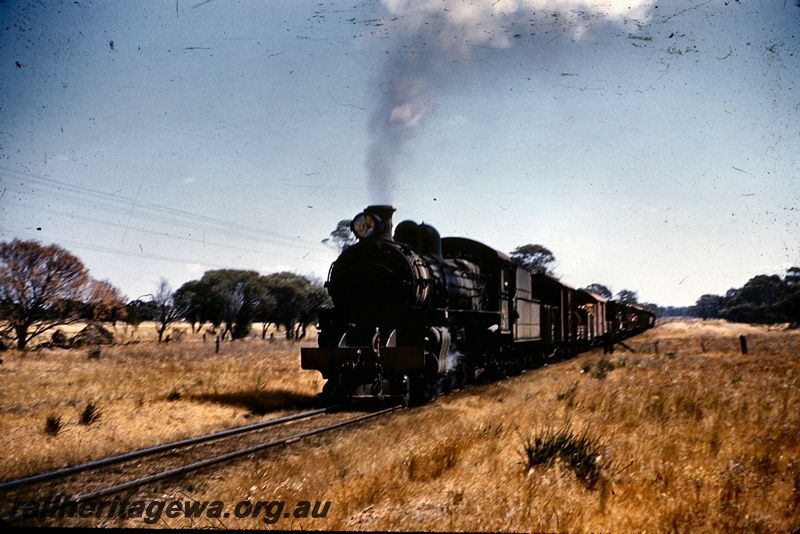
(78, 245)
(88, 200)
(79, 196)
(202, 241)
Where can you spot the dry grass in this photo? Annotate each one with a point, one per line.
(694, 437)
(137, 395)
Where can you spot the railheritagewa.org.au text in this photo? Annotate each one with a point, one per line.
(152, 511)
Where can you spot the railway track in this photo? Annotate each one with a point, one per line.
(123, 472)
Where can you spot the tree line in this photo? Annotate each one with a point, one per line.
(43, 287)
(234, 299)
(764, 299)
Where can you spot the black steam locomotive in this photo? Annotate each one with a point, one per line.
(415, 314)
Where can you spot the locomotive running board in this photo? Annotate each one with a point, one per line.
(328, 360)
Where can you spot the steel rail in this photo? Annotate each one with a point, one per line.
(164, 447)
(198, 465)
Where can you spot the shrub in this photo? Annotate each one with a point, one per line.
(177, 334)
(579, 453)
(59, 339)
(90, 414)
(92, 334)
(52, 425)
(602, 368)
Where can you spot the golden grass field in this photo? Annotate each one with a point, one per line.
(694, 436)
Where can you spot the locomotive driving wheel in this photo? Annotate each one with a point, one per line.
(498, 365)
(406, 388)
(444, 385)
(423, 390)
(461, 375)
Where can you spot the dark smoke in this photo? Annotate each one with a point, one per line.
(405, 97)
(429, 41)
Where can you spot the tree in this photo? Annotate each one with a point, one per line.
(191, 293)
(168, 307)
(708, 306)
(600, 290)
(535, 258)
(761, 300)
(763, 289)
(792, 277)
(40, 288)
(342, 236)
(791, 303)
(297, 301)
(105, 302)
(133, 316)
(677, 311)
(627, 296)
(239, 298)
(241, 294)
(264, 309)
(234, 297)
(764, 299)
(317, 298)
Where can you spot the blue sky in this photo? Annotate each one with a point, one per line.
(651, 146)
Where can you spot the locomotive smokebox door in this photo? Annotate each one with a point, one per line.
(374, 223)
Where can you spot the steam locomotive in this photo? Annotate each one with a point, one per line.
(415, 314)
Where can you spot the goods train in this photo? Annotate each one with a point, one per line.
(415, 314)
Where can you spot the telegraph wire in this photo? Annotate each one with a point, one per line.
(130, 214)
(33, 190)
(81, 245)
(168, 235)
(168, 215)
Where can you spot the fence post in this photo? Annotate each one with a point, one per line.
(743, 343)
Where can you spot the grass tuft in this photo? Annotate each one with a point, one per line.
(602, 368)
(578, 452)
(53, 424)
(569, 395)
(90, 414)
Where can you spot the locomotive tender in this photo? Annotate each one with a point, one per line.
(415, 314)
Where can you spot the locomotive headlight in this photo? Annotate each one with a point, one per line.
(364, 225)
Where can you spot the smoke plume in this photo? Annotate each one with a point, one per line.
(429, 40)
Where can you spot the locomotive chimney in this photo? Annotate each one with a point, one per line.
(384, 213)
